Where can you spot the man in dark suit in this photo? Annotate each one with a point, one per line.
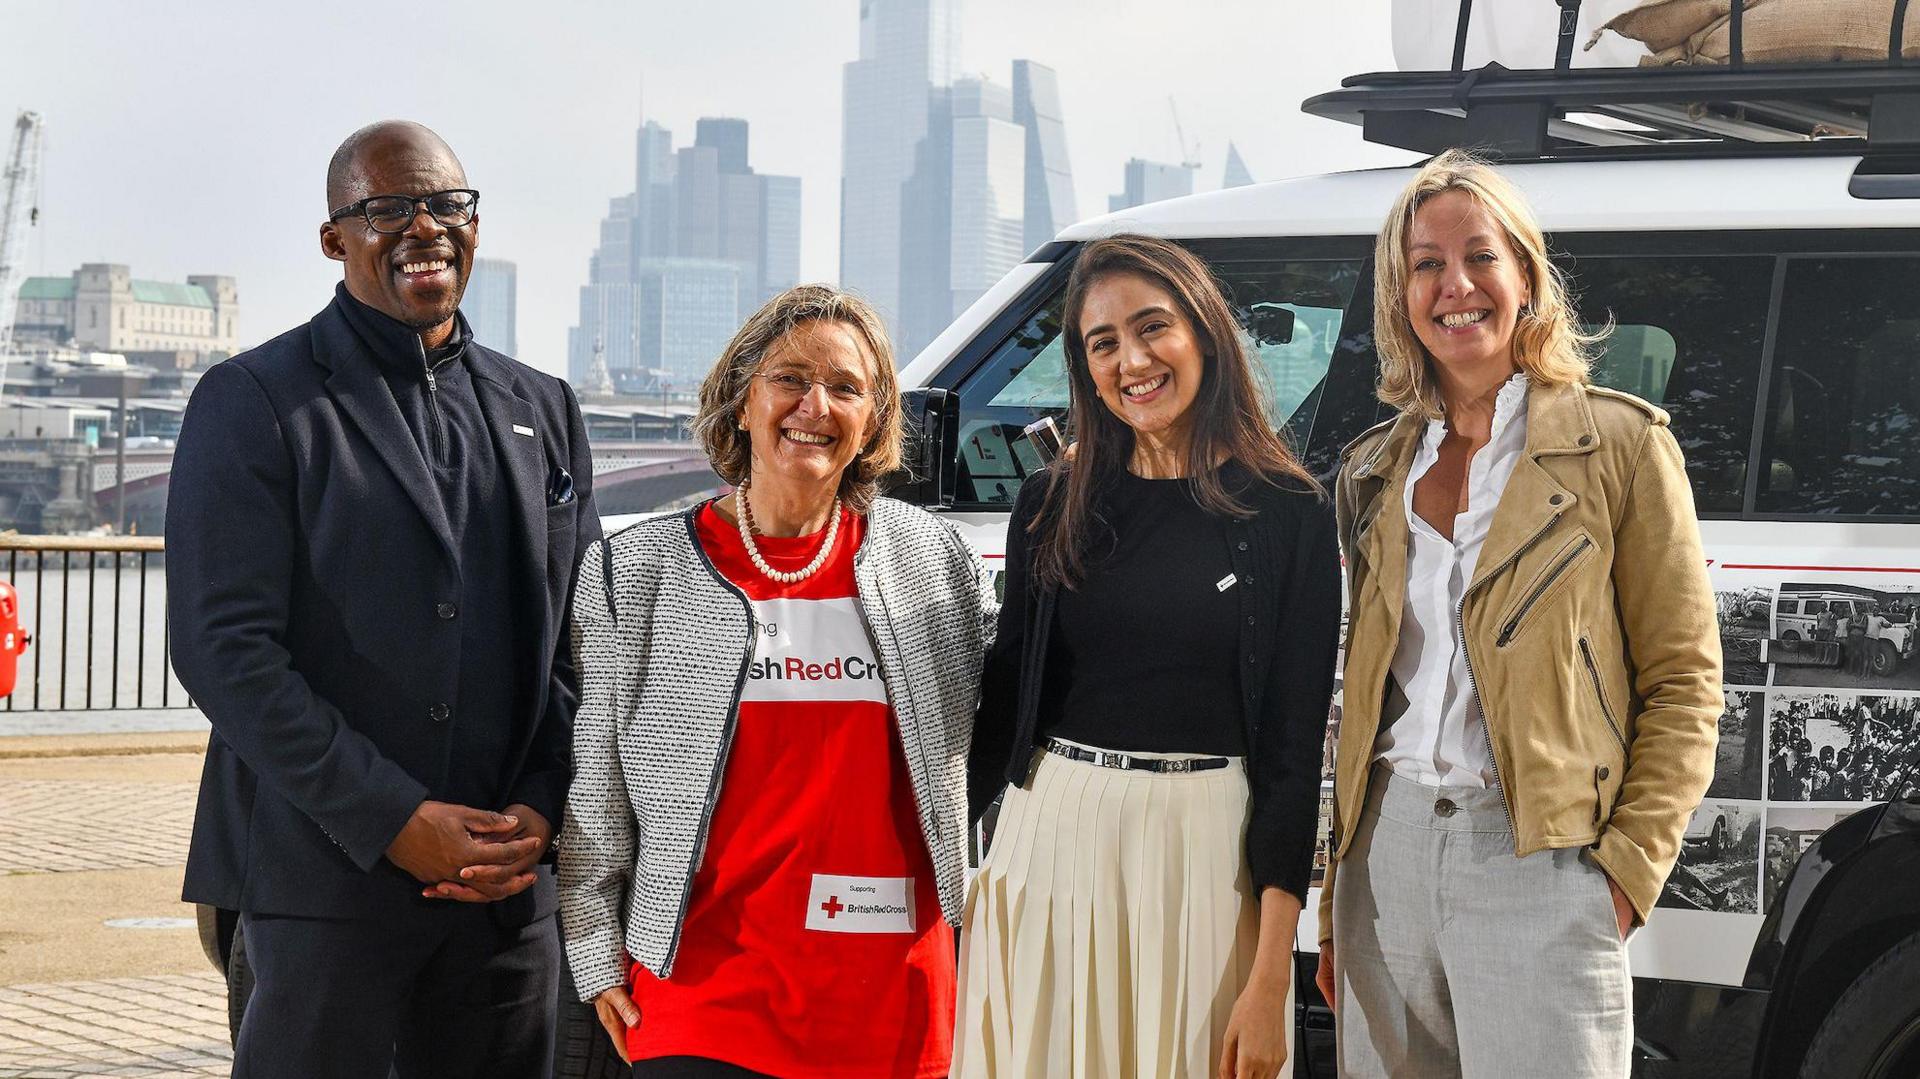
(372, 529)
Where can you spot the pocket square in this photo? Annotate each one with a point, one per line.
(559, 487)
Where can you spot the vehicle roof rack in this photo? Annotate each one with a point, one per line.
(1543, 114)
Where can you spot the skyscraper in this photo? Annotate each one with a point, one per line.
(701, 241)
(606, 300)
(1049, 182)
(908, 48)
(728, 137)
(1236, 174)
(491, 304)
(986, 219)
(1151, 181)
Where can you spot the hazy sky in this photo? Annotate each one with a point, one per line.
(192, 136)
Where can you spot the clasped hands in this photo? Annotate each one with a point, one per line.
(471, 855)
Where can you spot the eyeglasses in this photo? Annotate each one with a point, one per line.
(788, 384)
(391, 214)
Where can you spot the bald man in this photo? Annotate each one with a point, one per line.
(372, 529)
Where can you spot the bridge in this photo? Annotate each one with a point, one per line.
(628, 477)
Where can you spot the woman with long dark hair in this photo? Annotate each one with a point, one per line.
(1153, 706)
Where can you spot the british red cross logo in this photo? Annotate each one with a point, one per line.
(833, 906)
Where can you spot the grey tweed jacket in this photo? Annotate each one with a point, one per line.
(662, 643)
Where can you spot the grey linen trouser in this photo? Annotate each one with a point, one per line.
(1455, 958)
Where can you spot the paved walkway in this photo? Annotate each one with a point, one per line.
(161, 1027)
(65, 826)
(91, 817)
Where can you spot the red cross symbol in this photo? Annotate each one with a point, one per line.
(833, 906)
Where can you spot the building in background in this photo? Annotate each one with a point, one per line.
(990, 182)
(103, 307)
(1236, 173)
(908, 50)
(963, 208)
(685, 312)
(1049, 180)
(492, 306)
(1151, 181)
(652, 311)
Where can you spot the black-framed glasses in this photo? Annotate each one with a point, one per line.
(394, 213)
(788, 384)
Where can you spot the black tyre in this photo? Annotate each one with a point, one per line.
(1873, 1031)
(581, 1048)
(239, 983)
(1717, 842)
(1884, 660)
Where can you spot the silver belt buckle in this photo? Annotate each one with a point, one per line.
(1112, 760)
(1177, 765)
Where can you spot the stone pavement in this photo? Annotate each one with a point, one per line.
(93, 831)
(159, 1027)
(63, 825)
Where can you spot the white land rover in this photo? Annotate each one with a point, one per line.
(1754, 237)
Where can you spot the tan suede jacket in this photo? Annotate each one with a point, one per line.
(1589, 628)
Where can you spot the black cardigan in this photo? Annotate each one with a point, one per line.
(1288, 564)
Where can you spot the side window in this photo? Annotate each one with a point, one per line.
(1843, 410)
(1293, 310)
(1688, 332)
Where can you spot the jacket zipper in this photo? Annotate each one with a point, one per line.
(1486, 729)
(1513, 624)
(932, 813)
(436, 425)
(1593, 672)
(1466, 652)
(720, 759)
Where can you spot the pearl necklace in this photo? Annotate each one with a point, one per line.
(745, 520)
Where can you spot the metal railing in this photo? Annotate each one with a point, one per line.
(97, 610)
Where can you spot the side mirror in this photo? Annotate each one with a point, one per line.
(1270, 324)
(927, 474)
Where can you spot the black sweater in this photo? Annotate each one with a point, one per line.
(1144, 655)
(1287, 564)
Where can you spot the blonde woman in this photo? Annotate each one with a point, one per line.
(1533, 670)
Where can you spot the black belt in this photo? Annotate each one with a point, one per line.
(1109, 759)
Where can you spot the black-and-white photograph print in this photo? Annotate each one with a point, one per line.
(1839, 747)
(1845, 636)
(1789, 832)
(1740, 759)
(1325, 834)
(1719, 866)
(1744, 615)
(1333, 735)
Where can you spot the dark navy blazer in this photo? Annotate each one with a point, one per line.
(308, 562)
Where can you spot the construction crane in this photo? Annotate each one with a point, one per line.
(1189, 158)
(18, 215)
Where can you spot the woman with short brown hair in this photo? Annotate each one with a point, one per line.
(764, 847)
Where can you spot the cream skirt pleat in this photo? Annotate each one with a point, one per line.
(1110, 928)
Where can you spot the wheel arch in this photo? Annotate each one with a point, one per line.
(1852, 895)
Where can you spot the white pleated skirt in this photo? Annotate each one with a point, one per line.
(1110, 928)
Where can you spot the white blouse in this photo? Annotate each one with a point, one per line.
(1434, 731)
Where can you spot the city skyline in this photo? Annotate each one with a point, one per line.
(700, 242)
(551, 144)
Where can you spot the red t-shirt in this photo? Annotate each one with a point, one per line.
(813, 943)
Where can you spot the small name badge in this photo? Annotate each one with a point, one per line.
(860, 904)
(522, 429)
(1225, 583)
